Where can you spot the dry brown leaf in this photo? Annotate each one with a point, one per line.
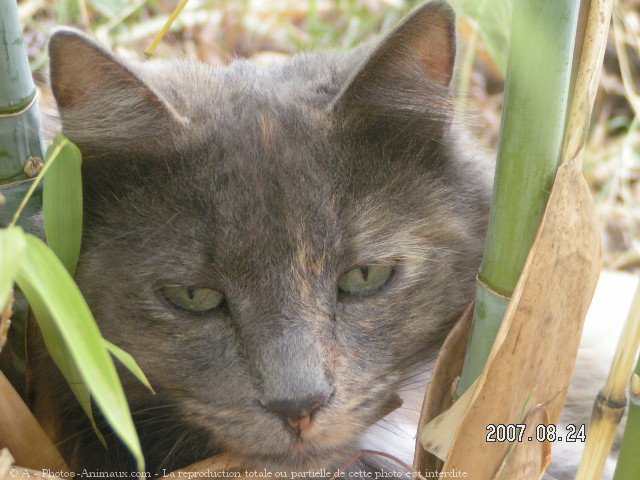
(527, 459)
(6, 462)
(438, 435)
(526, 367)
(438, 396)
(22, 434)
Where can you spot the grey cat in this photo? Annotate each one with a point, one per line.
(276, 245)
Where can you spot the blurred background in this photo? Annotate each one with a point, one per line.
(216, 31)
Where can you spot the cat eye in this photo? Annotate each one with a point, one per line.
(365, 279)
(194, 299)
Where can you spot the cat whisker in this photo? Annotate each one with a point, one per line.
(377, 425)
(404, 390)
(172, 451)
(407, 386)
(154, 408)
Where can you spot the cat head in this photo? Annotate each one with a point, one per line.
(276, 245)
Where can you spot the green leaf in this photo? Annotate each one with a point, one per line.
(62, 201)
(129, 362)
(58, 350)
(12, 249)
(59, 307)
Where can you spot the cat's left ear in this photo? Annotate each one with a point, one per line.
(103, 104)
(408, 74)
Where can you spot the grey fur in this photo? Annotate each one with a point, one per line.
(268, 183)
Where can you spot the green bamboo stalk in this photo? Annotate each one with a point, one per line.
(629, 458)
(21, 144)
(628, 464)
(21, 150)
(535, 109)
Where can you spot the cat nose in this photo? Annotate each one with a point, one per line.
(297, 413)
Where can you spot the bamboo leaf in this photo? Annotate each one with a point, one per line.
(62, 202)
(59, 306)
(129, 362)
(12, 247)
(59, 353)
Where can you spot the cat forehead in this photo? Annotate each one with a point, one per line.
(262, 139)
(245, 89)
(253, 117)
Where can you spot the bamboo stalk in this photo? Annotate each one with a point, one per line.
(21, 144)
(628, 464)
(19, 117)
(535, 109)
(629, 458)
(611, 401)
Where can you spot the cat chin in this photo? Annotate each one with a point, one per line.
(328, 449)
(267, 443)
(311, 460)
(325, 453)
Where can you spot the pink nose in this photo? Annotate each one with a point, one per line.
(297, 413)
(301, 424)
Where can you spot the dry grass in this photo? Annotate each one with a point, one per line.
(218, 30)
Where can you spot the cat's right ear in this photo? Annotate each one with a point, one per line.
(103, 104)
(403, 85)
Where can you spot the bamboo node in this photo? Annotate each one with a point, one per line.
(491, 290)
(605, 406)
(22, 109)
(32, 166)
(610, 402)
